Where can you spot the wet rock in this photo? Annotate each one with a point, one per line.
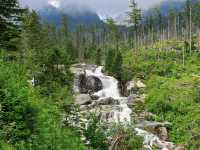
(153, 124)
(89, 84)
(93, 84)
(157, 128)
(162, 133)
(83, 99)
(84, 108)
(82, 83)
(108, 101)
(94, 97)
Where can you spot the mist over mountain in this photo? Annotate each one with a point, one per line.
(166, 6)
(76, 15)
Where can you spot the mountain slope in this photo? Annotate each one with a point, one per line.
(76, 17)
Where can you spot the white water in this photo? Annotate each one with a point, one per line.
(122, 113)
(110, 89)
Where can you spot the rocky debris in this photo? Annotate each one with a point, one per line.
(104, 102)
(180, 147)
(150, 124)
(151, 140)
(140, 84)
(134, 99)
(80, 67)
(83, 99)
(157, 128)
(162, 133)
(131, 88)
(134, 87)
(107, 101)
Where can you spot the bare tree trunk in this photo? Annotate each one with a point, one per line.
(190, 30)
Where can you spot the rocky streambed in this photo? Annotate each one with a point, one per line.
(95, 92)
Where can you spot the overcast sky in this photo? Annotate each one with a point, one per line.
(102, 7)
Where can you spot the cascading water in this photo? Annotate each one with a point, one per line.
(111, 90)
(120, 112)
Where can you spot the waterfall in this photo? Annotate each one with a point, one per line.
(111, 90)
(113, 107)
(122, 113)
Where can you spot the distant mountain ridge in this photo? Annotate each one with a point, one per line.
(75, 15)
(81, 15)
(164, 8)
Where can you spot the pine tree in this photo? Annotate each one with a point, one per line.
(98, 56)
(32, 32)
(10, 20)
(63, 32)
(113, 32)
(109, 61)
(117, 66)
(134, 18)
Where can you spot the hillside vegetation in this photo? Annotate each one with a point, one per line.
(36, 84)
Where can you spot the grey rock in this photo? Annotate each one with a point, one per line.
(93, 84)
(150, 124)
(108, 101)
(94, 97)
(89, 84)
(162, 133)
(83, 99)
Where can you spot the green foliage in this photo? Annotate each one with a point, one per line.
(175, 100)
(173, 88)
(29, 121)
(117, 66)
(10, 18)
(95, 133)
(52, 135)
(4, 146)
(98, 57)
(17, 113)
(135, 143)
(109, 60)
(113, 64)
(125, 138)
(134, 14)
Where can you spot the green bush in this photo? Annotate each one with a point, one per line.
(17, 112)
(27, 121)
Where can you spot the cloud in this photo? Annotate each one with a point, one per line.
(102, 7)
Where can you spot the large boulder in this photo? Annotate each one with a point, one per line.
(83, 99)
(93, 84)
(89, 84)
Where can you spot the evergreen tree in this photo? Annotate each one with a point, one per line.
(10, 20)
(98, 56)
(63, 32)
(109, 61)
(32, 32)
(117, 66)
(134, 18)
(113, 33)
